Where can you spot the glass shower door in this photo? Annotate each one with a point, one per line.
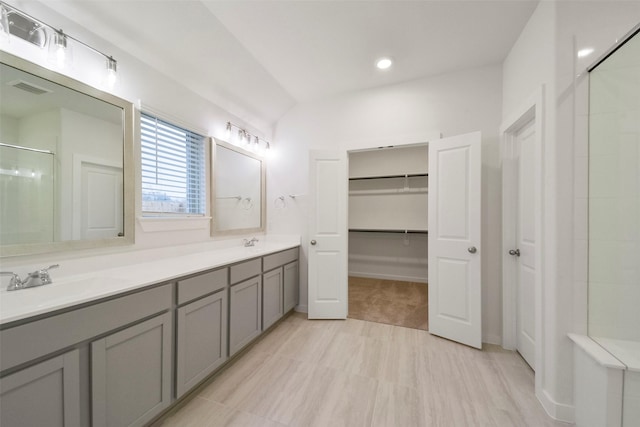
(27, 211)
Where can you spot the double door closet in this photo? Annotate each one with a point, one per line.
(388, 201)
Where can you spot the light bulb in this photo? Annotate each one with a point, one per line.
(112, 72)
(59, 51)
(228, 131)
(4, 24)
(384, 63)
(60, 56)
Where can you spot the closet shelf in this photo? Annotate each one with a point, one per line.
(396, 231)
(410, 175)
(387, 192)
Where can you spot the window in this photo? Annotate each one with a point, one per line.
(173, 169)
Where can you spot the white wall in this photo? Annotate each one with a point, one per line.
(411, 112)
(9, 129)
(546, 53)
(529, 66)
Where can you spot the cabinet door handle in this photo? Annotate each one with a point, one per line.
(515, 252)
(313, 242)
(472, 250)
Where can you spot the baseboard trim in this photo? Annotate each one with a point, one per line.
(557, 411)
(301, 308)
(492, 339)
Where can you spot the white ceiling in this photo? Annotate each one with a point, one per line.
(260, 58)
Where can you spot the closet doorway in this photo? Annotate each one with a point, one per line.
(454, 239)
(388, 202)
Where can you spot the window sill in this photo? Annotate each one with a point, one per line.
(152, 224)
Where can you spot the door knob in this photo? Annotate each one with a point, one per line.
(515, 252)
(472, 250)
(313, 242)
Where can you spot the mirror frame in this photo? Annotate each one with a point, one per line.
(263, 190)
(128, 112)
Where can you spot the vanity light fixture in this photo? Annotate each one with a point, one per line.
(254, 142)
(14, 22)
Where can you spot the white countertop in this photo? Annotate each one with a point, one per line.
(71, 290)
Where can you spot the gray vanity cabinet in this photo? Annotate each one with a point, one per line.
(272, 300)
(245, 313)
(201, 340)
(45, 394)
(291, 286)
(115, 362)
(131, 374)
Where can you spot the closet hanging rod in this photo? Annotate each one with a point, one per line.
(410, 175)
(372, 230)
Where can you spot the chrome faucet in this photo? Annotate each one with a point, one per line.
(36, 278)
(248, 243)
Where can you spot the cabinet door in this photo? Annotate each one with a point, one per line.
(291, 286)
(245, 305)
(131, 374)
(271, 297)
(46, 394)
(202, 340)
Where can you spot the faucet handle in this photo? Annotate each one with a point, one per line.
(46, 270)
(44, 274)
(15, 282)
(41, 277)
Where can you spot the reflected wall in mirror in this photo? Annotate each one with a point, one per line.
(65, 162)
(239, 183)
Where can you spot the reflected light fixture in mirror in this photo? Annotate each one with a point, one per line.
(60, 54)
(112, 72)
(4, 25)
(15, 23)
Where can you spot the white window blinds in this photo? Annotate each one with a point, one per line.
(173, 168)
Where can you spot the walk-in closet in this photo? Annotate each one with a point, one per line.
(388, 196)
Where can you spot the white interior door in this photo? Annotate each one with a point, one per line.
(328, 235)
(101, 201)
(524, 253)
(454, 254)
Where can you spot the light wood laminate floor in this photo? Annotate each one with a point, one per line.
(357, 373)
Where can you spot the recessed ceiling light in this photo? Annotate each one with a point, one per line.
(384, 63)
(585, 52)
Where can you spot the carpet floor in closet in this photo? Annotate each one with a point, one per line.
(389, 301)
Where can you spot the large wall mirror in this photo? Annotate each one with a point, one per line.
(238, 190)
(66, 162)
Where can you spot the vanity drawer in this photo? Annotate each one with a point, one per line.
(281, 258)
(202, 284)
(31, 340)
(245, 270)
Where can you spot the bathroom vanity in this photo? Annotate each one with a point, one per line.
(136, 338)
